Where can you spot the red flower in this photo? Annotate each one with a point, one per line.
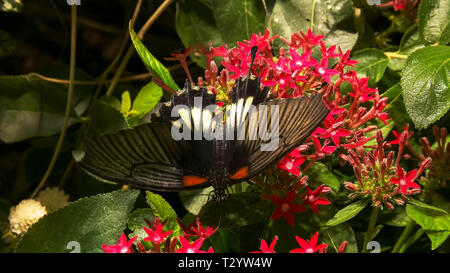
(309, 246)
(265, 248)
(323, 70)
(324, 150)
(399, 135)
(157, 235)
(313, 198)
(405, 181)
(203, 232)
(121, 247)
(334, 130)
(285, 207)
(187, 247)
(291, 162)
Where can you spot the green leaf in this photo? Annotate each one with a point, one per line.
(237, 20)
(147, 98)
(434, 21)
(153, 65)
(105, 118)
(437, 238)
(417, 203)
(89, 221)
(7, 43)
(435, 222)
(164, 211)
(425, 85)
(30, 107)
(194, 200)
(11, 5)
(319, 173)
(392, 94)
(409, 43)
(223, 241)
(348, 212)
(136, 222)
(332, 18)
(125, 106)
(372, 63)
(241, 209)
(195, 25)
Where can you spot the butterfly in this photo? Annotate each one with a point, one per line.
(156, 156)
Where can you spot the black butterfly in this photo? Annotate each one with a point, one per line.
(149, 157)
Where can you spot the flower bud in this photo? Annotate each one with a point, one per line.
(350, 186)
(389, 206)
(343, 247)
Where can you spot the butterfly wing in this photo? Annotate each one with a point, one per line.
(298, 118)
(143, 157)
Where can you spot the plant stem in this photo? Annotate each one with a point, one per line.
(396, 55)
(73, 42)
(131, 49)
(370, 228)
(411, 240)
(405, 235)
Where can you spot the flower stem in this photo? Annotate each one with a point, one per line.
(405, 235)
(73, 42)
(370, 228)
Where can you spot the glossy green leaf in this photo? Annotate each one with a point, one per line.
(318, 173)
(91, 222)
(425, 85)
(348, 212)
(164, 211)
(372, 63)
(434, 21)
(30, 107)
(237, 20)
(153, 65)
(332, 18)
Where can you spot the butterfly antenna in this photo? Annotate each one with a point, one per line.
(253, 55)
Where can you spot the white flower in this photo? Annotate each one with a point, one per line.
(53, 198)
(25, 214)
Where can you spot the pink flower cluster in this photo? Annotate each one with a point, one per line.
(306, 246)
(161, 242)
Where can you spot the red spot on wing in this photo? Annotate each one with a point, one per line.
(240, 174)
(192, 180)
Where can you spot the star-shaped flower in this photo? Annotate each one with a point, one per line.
(309, 246)
(121, 247)
(265, 248)
(405, 181)
(187, 247)
(314, 199)
(286, 207)
(157, 235)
